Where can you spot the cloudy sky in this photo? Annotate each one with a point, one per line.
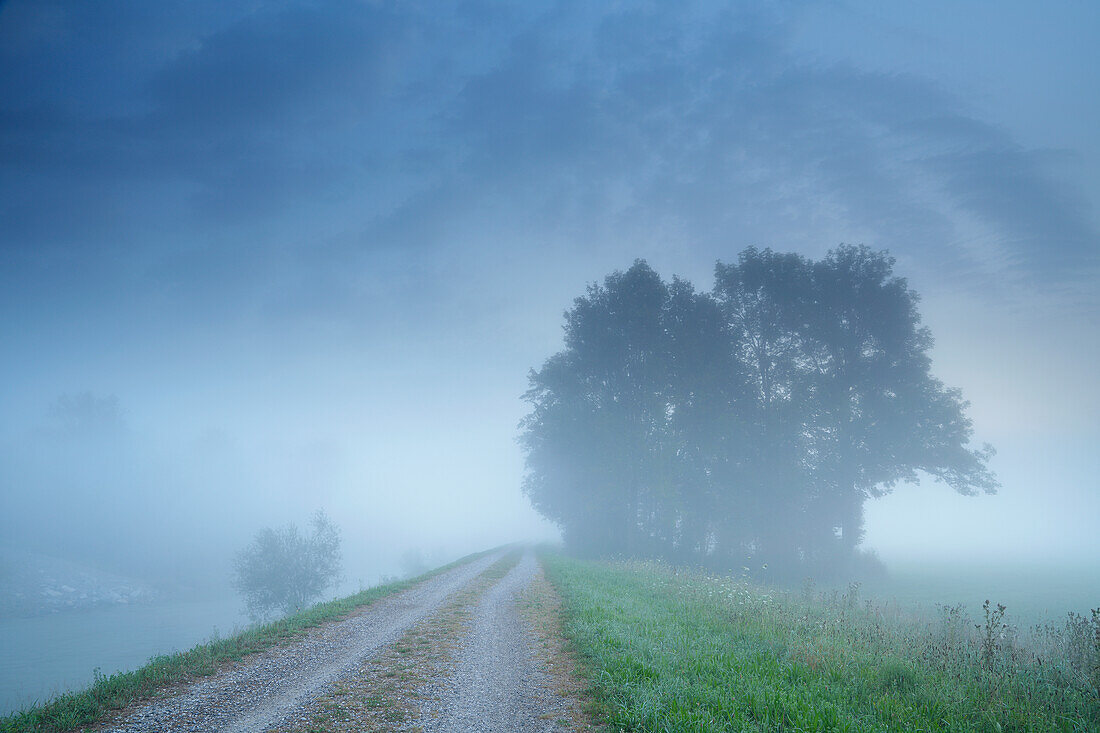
(260, 257)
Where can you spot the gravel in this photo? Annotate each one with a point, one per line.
(273, 686)
(499, 683)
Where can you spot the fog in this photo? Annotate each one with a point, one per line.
(257, 260)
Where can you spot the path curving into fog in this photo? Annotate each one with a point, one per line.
(499, 683)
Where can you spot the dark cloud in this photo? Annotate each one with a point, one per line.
(401, 126)
(1042, 225)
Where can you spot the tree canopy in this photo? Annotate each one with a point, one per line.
(748, 425)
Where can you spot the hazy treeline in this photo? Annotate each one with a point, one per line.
(747, 425)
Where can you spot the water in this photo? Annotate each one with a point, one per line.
(43, 656)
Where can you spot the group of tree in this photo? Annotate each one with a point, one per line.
(747, 426)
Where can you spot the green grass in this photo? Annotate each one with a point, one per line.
(72, 710)
(670, 650)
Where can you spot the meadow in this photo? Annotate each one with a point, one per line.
(668, 649)
(1035, 593)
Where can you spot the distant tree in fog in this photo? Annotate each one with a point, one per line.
(284, 570)
(749, 425)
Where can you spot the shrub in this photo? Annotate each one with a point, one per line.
(284, 570)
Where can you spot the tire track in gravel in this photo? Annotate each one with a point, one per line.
(386, 694)
(267, 687)
(500, 683)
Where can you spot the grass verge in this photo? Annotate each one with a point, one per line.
(572, 709)
(74, 710)
(669, 650)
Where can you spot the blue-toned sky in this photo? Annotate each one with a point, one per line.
(259, 257)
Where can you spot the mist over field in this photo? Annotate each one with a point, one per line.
(260, 259)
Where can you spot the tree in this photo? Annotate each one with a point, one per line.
(284, 570)
(598, 408)
(846, 405)
(623, 416)
(752, 423)
(761, 298)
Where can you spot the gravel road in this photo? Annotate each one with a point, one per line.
(268, 688)
(499, 683)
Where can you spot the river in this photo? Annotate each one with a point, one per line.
(43, 656)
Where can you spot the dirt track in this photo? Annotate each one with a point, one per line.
(266, 688)
(495, 681)
(499, 683)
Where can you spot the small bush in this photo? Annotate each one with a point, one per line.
(282, 570)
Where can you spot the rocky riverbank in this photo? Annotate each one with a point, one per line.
(33, 584)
